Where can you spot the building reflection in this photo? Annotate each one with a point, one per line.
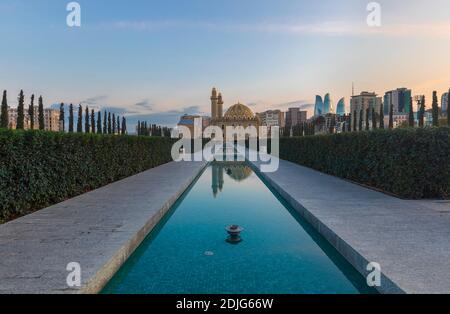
(217, 179)
(238, 171)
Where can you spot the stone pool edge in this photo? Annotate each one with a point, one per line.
(357, 260)
(97, 283)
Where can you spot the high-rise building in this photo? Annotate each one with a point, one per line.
(400, 100)
(340, 108)
(272, 118)
(324, 106)
(295, 116)
(327, 104)
(444, 102)
(318, 106)
(364, 101)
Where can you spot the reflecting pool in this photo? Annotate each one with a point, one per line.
(279, 252)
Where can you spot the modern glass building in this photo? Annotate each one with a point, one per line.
(318, 107)
(340, 108)
(327, 104)
(400, 99)
(323, 106)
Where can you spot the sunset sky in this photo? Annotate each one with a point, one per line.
(155, 60)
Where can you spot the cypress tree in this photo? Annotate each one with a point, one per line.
(114, 123)
(123, 129)
(41, 120)
(4, 121)
(448, 109)
(411, 115)
(31, 112)
(374, 119)
(422, 112)
(80, 119)
(124, 126)
(20, 112)
(435, 109)
(71, 118)
(87, 118)
(367, 119)
(138, 128)
(62, 118)
(105, 129)
(382, 116)
(360, 126)
(109, 123)
(118, 125)
(391, 116)
(354, 121)
(349, 123)
(99, 123)
(93, 121)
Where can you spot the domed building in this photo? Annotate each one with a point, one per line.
(236, 115)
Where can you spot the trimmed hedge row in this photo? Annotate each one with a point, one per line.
(411, 163)
(39, 168)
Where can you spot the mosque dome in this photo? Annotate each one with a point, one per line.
(239, 112)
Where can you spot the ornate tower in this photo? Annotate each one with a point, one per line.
(220, 106)
(214, 104)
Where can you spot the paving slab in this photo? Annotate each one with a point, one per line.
(99, 230)
(409, 239)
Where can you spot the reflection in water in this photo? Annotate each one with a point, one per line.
(238, 171)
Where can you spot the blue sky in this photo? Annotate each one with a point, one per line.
(155, 60)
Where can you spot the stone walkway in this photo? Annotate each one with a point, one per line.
(99, 230)
(409, 239)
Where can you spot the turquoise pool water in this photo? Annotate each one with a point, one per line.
(279, 253)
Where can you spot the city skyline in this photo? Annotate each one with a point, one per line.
(154, 60)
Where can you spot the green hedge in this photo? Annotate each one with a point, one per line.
(40, 168)
(411, 163)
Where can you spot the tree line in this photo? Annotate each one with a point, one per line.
(145, 129)
(104, 123)
(112, 124)
(20, 123)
